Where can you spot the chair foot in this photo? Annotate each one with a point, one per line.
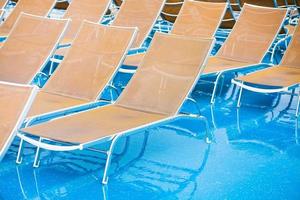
(109, 154)
(240, 97)
(20, 152)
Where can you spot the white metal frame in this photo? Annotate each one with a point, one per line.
(109, 83)
(257, 89)
(20, 118)
(220, 73)
(112, 138)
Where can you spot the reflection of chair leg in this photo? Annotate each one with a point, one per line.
(238, 120)
(20, 183)
(195, 175)
(104, 192)
(36, 183)
(296, 132)
(213, 117)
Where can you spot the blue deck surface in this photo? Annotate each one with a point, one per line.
(255, 155)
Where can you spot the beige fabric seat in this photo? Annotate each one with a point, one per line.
(155, 94)
(29, 47)
(281, 77)
(71, 129)
(14, 102)
(248, 42)
(2, 3)
(216, 64)
(87, 68)
(79, 10)
(141, 14)
(196, 19)
(34, 7)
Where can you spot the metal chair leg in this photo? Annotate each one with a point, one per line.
(240, 97)
(36, 162)
(212, 100)
(109, 154)
(297, 109)
(20, 152)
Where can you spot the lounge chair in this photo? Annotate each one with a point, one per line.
(173, 7)
(88, 67)
(79, 10)
(248, 42)
(141, 14)
(196, 19)
(154, 95)
(15, 100)
(34, 7)
(29, 46)
(277, 78)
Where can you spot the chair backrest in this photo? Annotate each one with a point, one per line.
(199, 19)
(291, 57)
(28, 47)
(229, 19)
(34, 7)
(139, 13)
(15, 101)
(91, 62)
(79, 10)
(167, 74)
(253, 33)
(267, 3)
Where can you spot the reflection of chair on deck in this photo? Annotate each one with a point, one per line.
(272, 125)
(154, 96)
(177, 180)
(276, 79)
(196, 19)
(247, 44)
(34, 7)
(29, 46)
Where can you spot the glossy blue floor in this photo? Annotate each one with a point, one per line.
(255, 155)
